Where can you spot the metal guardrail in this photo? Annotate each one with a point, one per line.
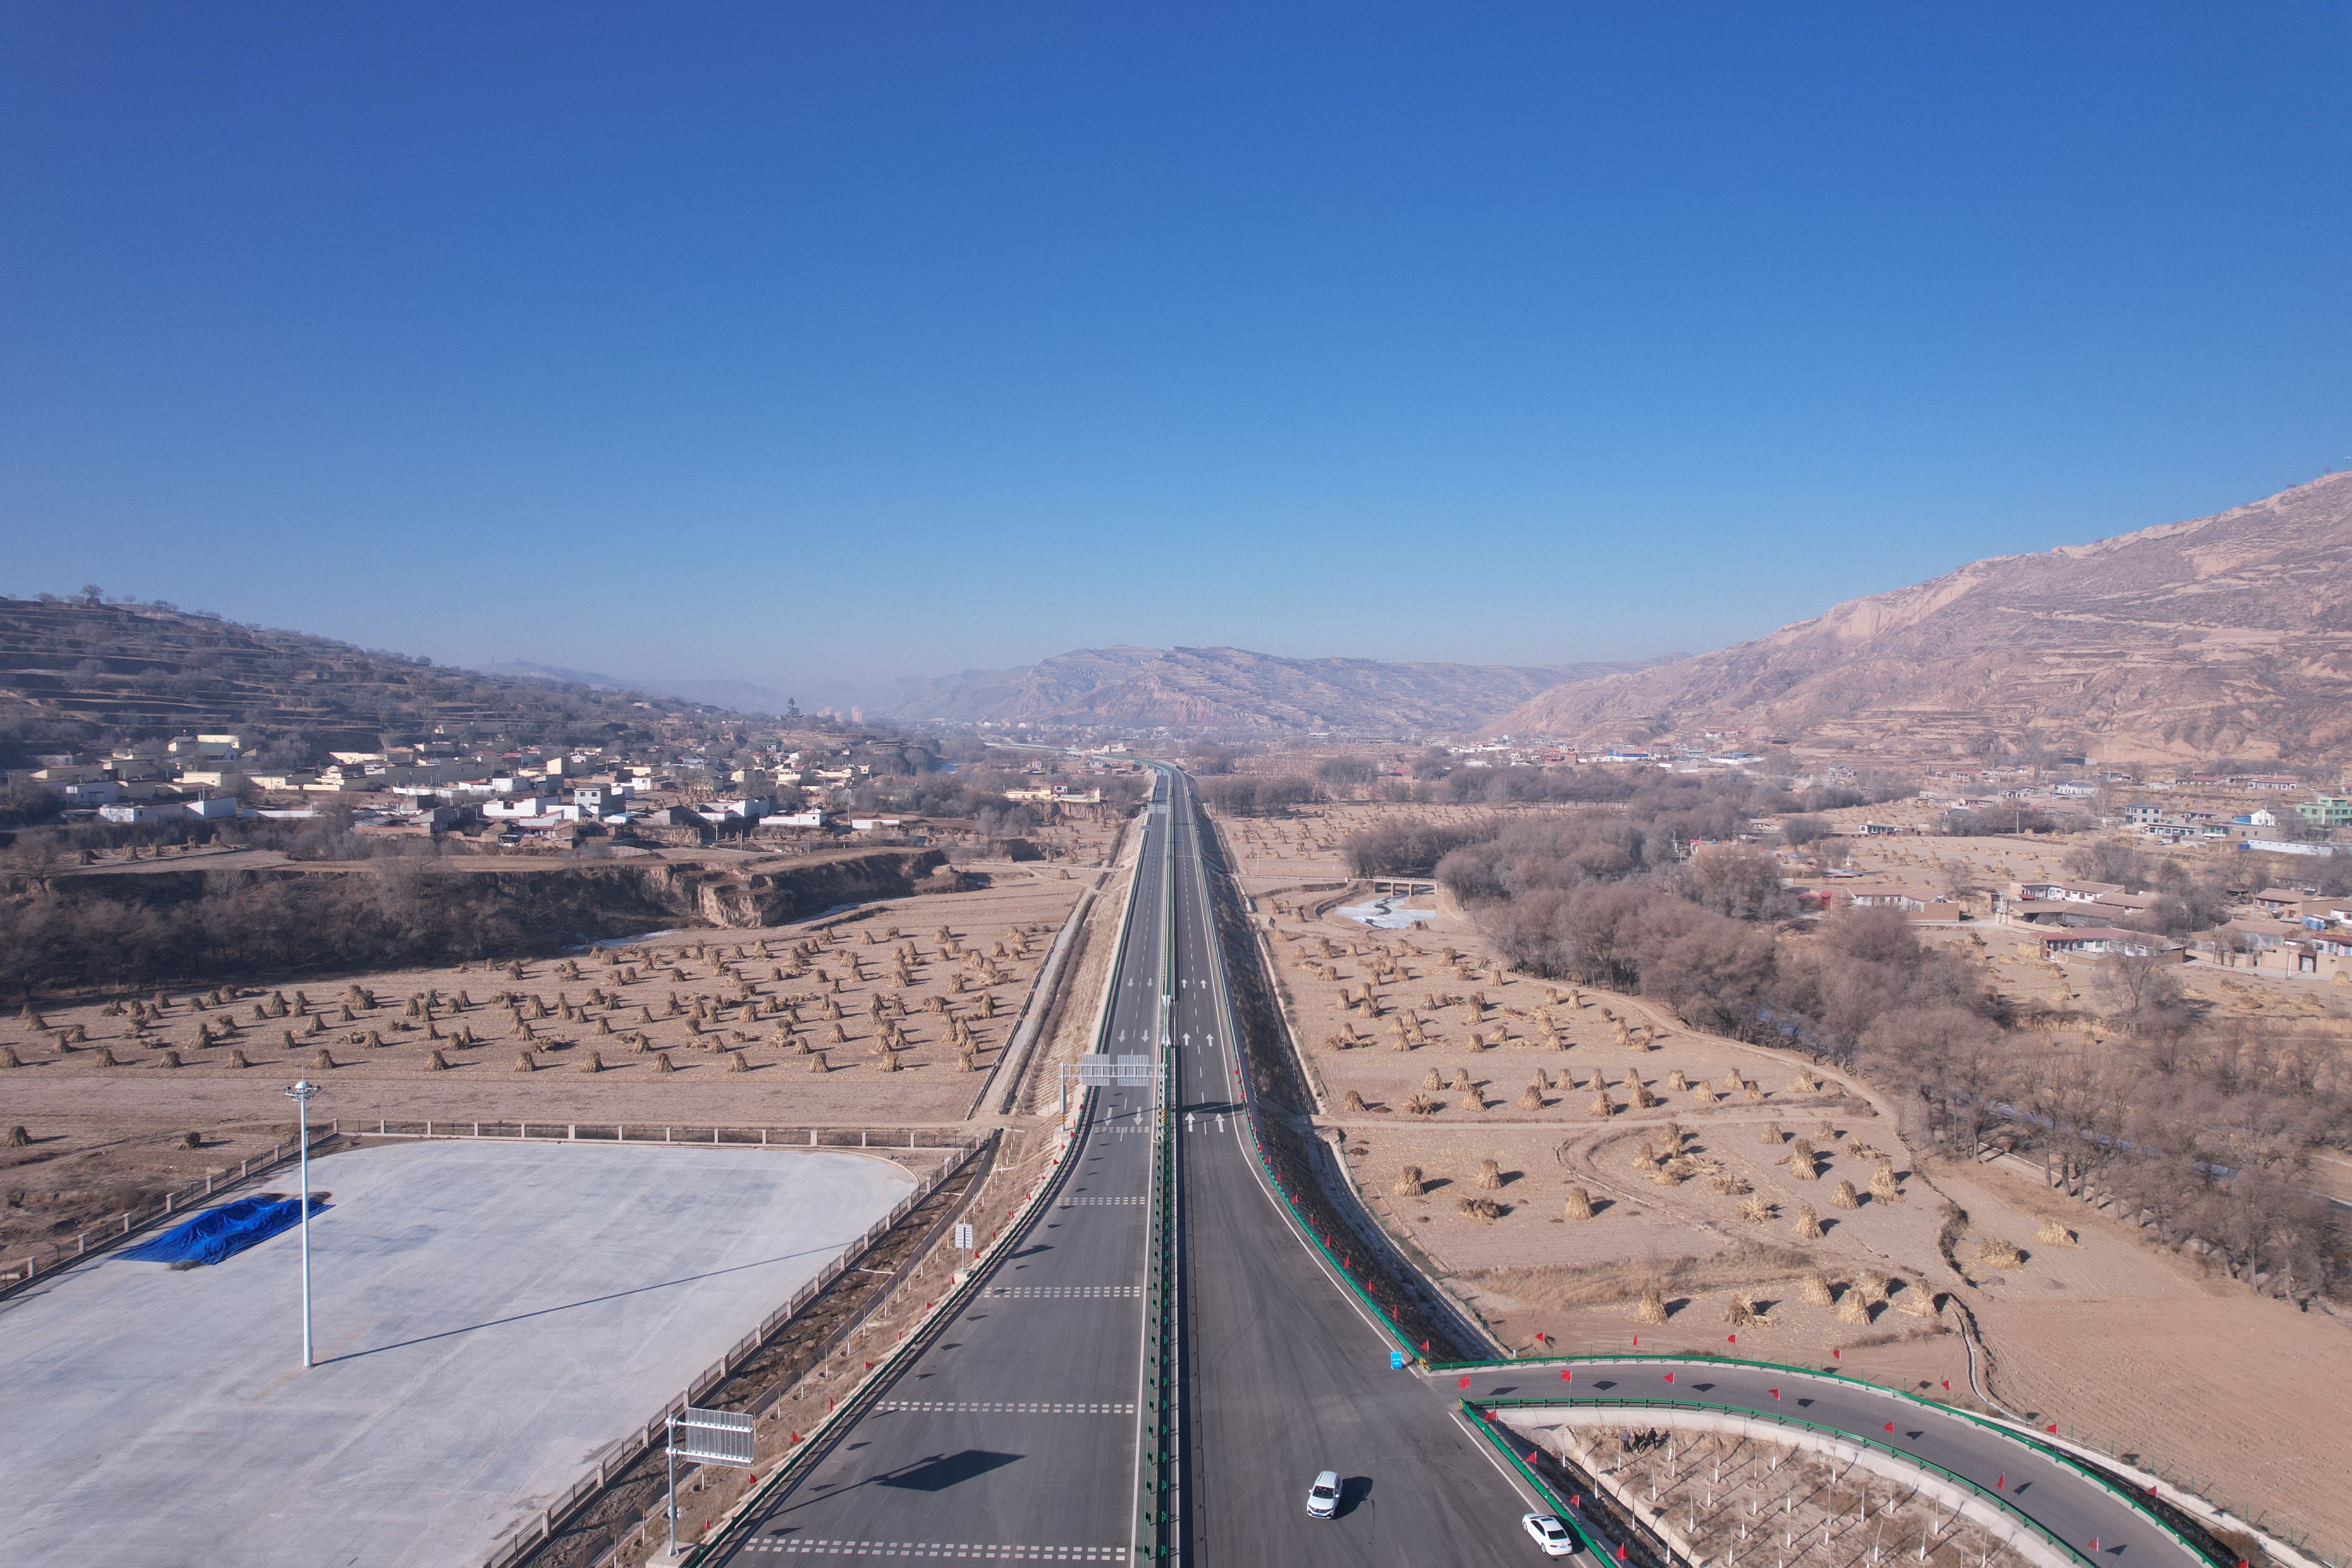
(919, 1139)
(1159, 1444)
(1566, 1515)
(2080, 1466)
(626, 1452)
(1858, 1440)
(1342, 1264)
(851, 1406)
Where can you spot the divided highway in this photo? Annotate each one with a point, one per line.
(1287, 1375)
(1014, 1434)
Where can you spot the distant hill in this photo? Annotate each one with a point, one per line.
(74, 674)
(735, 696)
(2229, 635)
(1228, 689)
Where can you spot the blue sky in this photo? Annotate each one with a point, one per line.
(803, 344)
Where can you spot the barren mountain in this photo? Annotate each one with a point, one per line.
(2227, 635)
(1231, 688)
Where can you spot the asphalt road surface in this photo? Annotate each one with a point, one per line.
(1287, 1376)
(1012, 1435)
(2062, 1500)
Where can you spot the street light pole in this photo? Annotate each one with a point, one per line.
(301, 1095)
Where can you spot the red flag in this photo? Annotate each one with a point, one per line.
(1890, 1425)
(1947, 1386)
(1620, 1551)
(1836, 1355)
(1637, 1340)
(796, 1437)
(2002, 1485)
(2052, 1428)
(1670, 1377)
(1424, 1347)
(1732, 1339)
(2094, 1544)
(1464, 1384)
(1776, 1394)
(1568, 1375)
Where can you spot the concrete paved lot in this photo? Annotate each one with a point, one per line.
(487, 1317)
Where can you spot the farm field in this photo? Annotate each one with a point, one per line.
(1708, 1219)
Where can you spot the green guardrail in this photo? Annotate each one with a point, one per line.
(2072, 1462)
(1387, 1325)
(1159, 1433)
(1979, 1490)
(1503, 1446)
(1342, 1264)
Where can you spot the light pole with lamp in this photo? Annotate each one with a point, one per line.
(301, 1095)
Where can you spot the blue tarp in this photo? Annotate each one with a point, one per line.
(223, 1232)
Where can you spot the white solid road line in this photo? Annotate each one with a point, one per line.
(1502, 1469)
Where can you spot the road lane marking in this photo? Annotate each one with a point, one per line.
(1080, 1203)
(1063, 1292)
(1032, 1408)
(942, 1549)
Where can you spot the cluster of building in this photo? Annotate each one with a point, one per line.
(669, 793)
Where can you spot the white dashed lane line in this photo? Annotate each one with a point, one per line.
(1081, 1203)
(941, 1549)
(1063, 1292)
(1006, 1407)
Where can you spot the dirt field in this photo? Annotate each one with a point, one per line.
(744, 1021)
(2111, 1337)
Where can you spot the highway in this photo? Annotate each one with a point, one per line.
(1287, 1375)
(1012, 1434)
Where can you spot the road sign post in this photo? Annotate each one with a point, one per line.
(707, 1438)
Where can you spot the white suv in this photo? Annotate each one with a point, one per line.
(1323, 1497)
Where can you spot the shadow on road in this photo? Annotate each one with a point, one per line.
(937, 1475)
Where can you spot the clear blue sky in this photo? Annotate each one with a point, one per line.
(800, 343)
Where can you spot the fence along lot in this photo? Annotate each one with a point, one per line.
(491, 1316)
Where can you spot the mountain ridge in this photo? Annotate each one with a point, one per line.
(2228, 635)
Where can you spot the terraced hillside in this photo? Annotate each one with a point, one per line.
(74, 673)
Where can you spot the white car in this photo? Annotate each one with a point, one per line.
(1323, 1497)
(1556, 1539)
